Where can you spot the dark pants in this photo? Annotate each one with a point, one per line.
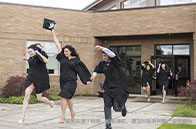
(108, 103)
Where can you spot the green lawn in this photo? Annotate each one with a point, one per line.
(185, 111)
(177, 126)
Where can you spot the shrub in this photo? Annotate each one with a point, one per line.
(14, 86)
(189, 92)
(18, 100)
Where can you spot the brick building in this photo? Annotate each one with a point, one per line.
(154, 32)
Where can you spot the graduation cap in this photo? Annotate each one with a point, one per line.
(162, 62)
(146, 62)
(48, 24)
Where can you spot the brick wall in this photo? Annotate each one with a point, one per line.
(22, 23)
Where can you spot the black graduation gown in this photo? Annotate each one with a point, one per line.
(115, 82)
(163, 78)
(69, 69)
(146, 76)
(37, 74)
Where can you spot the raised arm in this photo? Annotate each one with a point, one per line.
(58, 45)
(45, 60)
(158, 70)
(151, 64)
(106, 50)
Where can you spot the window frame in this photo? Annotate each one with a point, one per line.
(43, 42)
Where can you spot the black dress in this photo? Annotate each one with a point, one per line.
(115, 83)
(69, 68)
(146, 77)
(163, 78)
(37, 74)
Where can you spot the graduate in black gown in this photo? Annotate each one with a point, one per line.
(147, 73)
(37, 77)
(115, 90)
(163, 74)
(70, 67)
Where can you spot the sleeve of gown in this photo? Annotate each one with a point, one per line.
(142, 68)
(59, 57)
(99, 68)
(110, 53)
(83, 72)
(44, 54)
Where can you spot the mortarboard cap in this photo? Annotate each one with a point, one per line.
(48, 24)
(146, 62)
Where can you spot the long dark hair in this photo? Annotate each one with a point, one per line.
(35, 47)
(72, 50)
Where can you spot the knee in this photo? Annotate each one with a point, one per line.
(27, 96)
(39, 98)
(64, 100)
(116, 108)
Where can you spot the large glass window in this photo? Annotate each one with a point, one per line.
(181, 49)
(51, 50)
(171, 2)
(131, 62)
(137, 3)
(113, 8)
(164, 50)
(125, 4)
(173, 49)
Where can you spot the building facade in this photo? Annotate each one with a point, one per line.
(156, 33)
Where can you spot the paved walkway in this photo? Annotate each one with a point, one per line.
(90, 115)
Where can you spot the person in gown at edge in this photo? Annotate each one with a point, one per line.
(163, 74)
(115, 90)
(70, 66)
(37, 77)
(147, 72)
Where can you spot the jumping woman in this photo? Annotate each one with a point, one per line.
(147, 72)
(70, 66)
(37, 78)
(163, 78)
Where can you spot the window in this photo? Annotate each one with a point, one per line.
(125, 4)
(51, 50)
(164, 50)
(173, 49)
(137, 3)
(181, 49)
(171, 2)
(113, 8)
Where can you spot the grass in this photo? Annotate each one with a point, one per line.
(177, 126)
(185, 111)
(19, 100)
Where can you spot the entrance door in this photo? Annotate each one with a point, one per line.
(169, 60)
(175, 64)
(182, 66)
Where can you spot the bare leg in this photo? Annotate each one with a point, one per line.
(145, 90)
(28, 92)
(148, 93)
(164, 94)
(45, 100)
(63, 109)
(70, 105)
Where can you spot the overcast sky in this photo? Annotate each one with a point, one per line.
(67, 4)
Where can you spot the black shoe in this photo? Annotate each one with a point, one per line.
(124, 111)
(109, 128)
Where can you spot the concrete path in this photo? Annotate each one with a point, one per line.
(90, 115)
